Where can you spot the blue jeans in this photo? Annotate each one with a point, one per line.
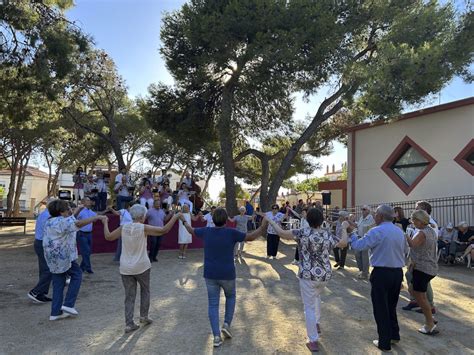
(59, 282)
(42, 287)
(84, 240)
(213, 295)
(121, 200)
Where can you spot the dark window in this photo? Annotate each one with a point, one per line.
(410, 165)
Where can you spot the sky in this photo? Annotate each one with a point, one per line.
(129, 31)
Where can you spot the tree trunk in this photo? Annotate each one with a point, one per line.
(320, 116)
(208, 178)
(265, 202)
(118, 153)
(252, 198)
(20, 181)
(11, 184)
(226, 144)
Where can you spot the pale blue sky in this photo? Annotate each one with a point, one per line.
(129, 30)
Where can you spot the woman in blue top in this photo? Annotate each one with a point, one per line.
(219, 267)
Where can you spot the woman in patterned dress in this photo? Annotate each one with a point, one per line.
(314, 247)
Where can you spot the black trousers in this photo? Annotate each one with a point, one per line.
(297, 254)
(386, 284)
(272, 244)
(340, 255)
(154, 247)
(42, 287)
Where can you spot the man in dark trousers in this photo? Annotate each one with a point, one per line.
(388, 248)
(39, 292)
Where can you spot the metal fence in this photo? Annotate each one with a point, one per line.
(444, 210)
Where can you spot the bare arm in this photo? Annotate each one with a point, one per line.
(417, 240)
(151, 230)
(114, 235)
(285, 234)
(188, 227)
(84, 222)
(256, 233)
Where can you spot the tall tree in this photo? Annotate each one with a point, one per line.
(96, 97)
(378, 56)
(236, 51)
(37, 47)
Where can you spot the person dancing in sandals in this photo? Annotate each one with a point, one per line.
(424, 265)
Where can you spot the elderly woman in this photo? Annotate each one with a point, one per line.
(241, 224)
(424, 265)
(314, 247)
(219, 267)
(343, 228)
(273, 240)
(60, 252)
(134, 262)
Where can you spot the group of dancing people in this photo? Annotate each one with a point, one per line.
(387, 244)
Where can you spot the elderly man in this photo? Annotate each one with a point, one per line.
(188, 180)
(362, 256)
(388, 247)
(465, 237)
(84, 234)
(39, 292)
(447, 235)
(156, 217)
(123, 193)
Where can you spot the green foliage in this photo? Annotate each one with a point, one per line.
(308, 185)
(241, 194)
(38, 43)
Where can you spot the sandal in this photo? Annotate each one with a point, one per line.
(424, 330)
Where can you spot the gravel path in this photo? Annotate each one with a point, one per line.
(268, 319)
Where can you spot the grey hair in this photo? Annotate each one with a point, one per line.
(138, 212)
(386, 212)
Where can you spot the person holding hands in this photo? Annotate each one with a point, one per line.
(134, 262)
(219, 267)
(314, 247)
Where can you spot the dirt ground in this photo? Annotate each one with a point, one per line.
(268, 319)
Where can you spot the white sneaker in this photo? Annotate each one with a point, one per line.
(226, 331)
(70, 310)
(217, 341)
(295, 262)
(61, 316)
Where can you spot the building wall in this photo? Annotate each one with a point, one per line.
(441, 134)
(33, 191)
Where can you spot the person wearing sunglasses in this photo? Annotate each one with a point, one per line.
(273, 240)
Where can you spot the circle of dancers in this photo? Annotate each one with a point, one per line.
(381, 239)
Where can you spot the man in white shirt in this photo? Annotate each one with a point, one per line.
(188, 180)
(365, 222)
(123, 172)
(208, 217)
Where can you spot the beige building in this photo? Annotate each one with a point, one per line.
(420, 155)
(34, 188)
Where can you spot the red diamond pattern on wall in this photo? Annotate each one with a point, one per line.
(408, 165)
